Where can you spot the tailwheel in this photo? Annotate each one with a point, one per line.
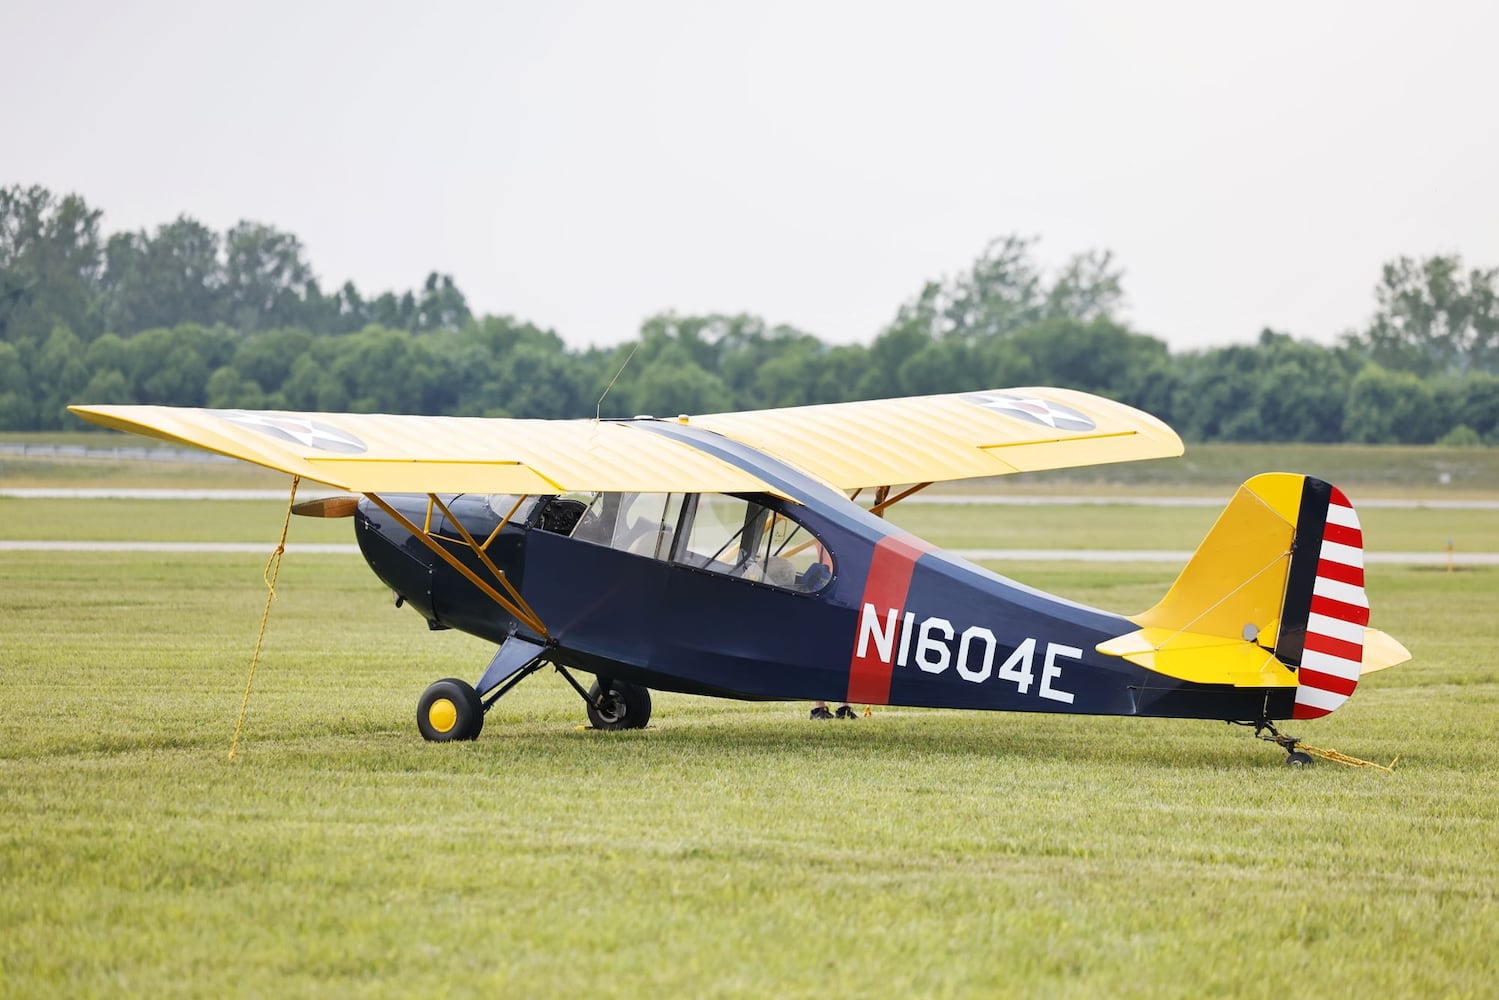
(1265, 729)
(449, 710)
(617, 705)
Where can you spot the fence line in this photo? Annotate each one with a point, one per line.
(129, 453)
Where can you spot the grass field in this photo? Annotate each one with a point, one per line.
(731, 849)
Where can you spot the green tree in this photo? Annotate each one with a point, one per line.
(50, 257)
(442, 305)
(1391, 407)
(227, 389)
(266, 279)
(1095, 356)
(310, 385)
(173, 277)
(840, 372)
(1088, 288)
(940, 366)
(1435, 318)
(1001, 292)
(266, 358)
(790, 376)
(1005, 290)
(107, 385)
(15, 389)
(1477, 405)
(668, 389)
(110, 352)
(171, 365)
(58, 376)
(1278, 389)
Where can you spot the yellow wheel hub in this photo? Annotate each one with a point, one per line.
(443, 715)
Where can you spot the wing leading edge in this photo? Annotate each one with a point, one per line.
(384, 453)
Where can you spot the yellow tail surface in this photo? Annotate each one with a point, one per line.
(1273, 597)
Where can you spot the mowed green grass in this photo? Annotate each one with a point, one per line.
(730, 849)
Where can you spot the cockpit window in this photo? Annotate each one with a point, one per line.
(596, 522)
(743, 539)
(510, 505)
(647, 525)
(562, 513)
(708, 531)
(642, 523)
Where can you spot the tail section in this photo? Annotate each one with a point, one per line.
(1272, 598)
(1325, 610)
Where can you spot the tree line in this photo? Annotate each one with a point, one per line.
(185, 315)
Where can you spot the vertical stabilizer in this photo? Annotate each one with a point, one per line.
(1273, 597)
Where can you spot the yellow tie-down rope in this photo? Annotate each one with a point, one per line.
(272, 571)
(1343, 758)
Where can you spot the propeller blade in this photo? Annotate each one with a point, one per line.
(340, 506)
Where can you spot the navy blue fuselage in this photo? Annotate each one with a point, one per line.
(898, 622)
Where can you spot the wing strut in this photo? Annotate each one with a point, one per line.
(514, 604)
(883, 500)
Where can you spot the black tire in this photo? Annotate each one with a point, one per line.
(449, 710)
(625, 706)
(1297, 758)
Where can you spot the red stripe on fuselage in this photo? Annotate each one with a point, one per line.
(890, 570)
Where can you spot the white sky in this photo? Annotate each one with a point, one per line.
(584, 165)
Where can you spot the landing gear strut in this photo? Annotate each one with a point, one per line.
(1265, 730)
(452, 709)
(613, 704)
(616, 705)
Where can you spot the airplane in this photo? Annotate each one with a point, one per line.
(730, 555)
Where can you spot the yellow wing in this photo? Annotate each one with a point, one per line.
(883, 442)
(927, 439)
(383, 453)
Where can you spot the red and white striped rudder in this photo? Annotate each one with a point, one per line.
(1334, 649)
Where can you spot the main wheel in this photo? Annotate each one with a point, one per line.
(449, 710)
(1297, 758)
(621, 705)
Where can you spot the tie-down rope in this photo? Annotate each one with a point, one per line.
(272, 570)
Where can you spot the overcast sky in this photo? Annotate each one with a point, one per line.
(585, 165)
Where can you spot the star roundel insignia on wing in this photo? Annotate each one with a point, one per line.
(1033, 410)
(299, 430)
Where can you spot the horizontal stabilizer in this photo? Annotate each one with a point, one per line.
(1381, 651)
(1200, 658)
(1212, 659)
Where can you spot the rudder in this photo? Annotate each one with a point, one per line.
(1326, 609)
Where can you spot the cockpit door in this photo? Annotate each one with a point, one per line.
(600, 587)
